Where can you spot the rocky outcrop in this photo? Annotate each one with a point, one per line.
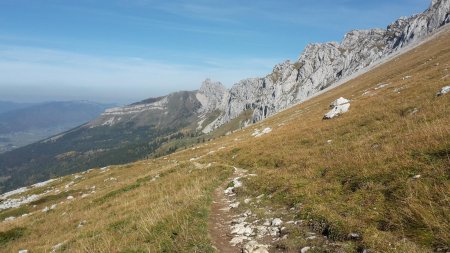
(319, 66)
(211, 95)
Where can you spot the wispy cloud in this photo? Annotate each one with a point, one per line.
(205, 12)
(117, 79)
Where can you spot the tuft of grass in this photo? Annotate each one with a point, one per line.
(11, 235)
(15, 212)
(53, 198)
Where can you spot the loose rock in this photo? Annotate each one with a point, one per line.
(443, 91)
(340, 106)
(277, 222)
(255, 247)
(305, 249)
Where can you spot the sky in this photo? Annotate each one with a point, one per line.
(123, 51)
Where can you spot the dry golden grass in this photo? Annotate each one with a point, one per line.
(360, 182)
(363, 181)
(131, 214)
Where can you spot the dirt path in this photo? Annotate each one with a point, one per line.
(233, 223)
(219, 222)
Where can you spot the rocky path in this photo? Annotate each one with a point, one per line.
(230, 231)
(219, 222)
(233, 227)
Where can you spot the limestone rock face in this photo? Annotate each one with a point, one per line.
(318, 67)
(211, 95)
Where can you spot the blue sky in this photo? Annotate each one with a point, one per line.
(126, 50)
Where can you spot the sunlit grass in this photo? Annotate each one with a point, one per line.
(352, 174)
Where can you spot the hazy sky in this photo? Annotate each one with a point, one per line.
(128, 50)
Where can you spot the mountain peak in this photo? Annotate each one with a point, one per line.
(211, 95)
(209, 86)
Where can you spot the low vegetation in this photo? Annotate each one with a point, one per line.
(380, 171)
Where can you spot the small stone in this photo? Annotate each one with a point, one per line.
(70, 197)
(382, 85)
(274, 231)
(82, 223)
(23, 251)
(57, 247)
(277, 222)
(354, 236)
(443, 91)
(305, 249)
(11, 218)
(255, 247)
(234, 205)
(241, 229)
(417, 176)
(237, 240)
(262, 231)
(46, 209)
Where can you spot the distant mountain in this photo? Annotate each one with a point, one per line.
(119, 135)
(23, 124)
(160, 125)
(6, 106)
(51, 114)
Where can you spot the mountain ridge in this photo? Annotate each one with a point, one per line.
(319, 66)
(162, 125)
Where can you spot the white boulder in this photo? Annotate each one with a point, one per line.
(340, 106)
(339, 101)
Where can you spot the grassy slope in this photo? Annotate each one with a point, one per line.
(362, 182)
(130, 213)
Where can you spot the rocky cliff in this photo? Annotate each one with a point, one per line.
(318, 67)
